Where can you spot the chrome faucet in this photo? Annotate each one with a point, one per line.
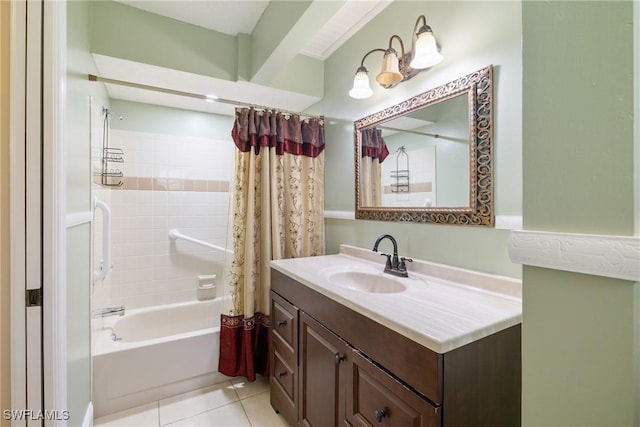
(109, 311)
(395, 265)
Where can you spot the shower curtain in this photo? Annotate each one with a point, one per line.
(374, 151)
(278, 213)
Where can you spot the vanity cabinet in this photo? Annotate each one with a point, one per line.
(332, 366)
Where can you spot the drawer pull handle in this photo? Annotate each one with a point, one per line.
(339, 358)
(281, 375)
(379, 415)
(281, 323)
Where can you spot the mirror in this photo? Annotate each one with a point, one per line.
(429, 158)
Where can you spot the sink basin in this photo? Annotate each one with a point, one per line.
(367, 281)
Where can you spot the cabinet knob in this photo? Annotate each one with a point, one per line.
(281, 375)
(339, 358)
(379, 415)
(281, 323)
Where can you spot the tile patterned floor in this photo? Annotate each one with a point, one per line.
(235, 403)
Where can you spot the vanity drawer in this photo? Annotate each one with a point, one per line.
(282, 396)
(374, 396)
(284, 358)
(285, 320)
(284, 375)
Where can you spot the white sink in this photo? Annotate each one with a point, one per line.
(366, 281)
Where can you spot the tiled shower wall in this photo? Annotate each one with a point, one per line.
(169, 182)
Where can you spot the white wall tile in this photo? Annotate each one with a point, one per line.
(148, 267)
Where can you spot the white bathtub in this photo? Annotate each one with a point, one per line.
(160, 352)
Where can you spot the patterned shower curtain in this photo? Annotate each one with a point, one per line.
(374, 151)
(278, 213)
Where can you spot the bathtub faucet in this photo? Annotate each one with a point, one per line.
(109, 311)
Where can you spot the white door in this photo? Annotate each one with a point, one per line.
(37, 343)
(27, 392)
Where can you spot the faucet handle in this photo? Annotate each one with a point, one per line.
(388, 259)
(403, 265)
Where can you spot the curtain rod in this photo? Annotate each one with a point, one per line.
(433, 135)
(94, 78)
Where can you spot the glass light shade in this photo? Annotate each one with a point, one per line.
(426, 52)
(390, 73)
(361, 88)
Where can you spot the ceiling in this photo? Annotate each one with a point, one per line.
(230, 17)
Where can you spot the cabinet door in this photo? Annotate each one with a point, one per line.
(376, 398)
(323, 364)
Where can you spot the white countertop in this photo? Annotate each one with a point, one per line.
(442, 308)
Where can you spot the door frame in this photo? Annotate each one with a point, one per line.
(54, 208)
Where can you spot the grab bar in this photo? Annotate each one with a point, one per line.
(174, 234)
(105, 267)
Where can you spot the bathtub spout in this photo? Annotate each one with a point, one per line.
(109, 311)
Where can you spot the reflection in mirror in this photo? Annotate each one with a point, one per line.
(428, 159)
(428, 164)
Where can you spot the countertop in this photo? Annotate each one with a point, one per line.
(442, 308)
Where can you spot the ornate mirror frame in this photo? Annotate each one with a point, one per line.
(479, 86)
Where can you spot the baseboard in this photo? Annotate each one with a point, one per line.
(88, 416)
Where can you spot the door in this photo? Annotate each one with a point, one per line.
(38, 387)
(323, 365)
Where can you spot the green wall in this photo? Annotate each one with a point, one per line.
(467, 44)
(128, 33)
(77, 154)
(171, 121)
(580, 338)
(125, 32)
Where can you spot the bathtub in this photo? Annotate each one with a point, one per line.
(154, 353)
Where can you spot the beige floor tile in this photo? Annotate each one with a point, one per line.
(246, 389)
(196, 402)
(231, 415)
(142, 416)
(260, 412)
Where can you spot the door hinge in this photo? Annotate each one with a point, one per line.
(33, 297)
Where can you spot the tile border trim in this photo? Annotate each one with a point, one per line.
(616, 257)
(173, 184)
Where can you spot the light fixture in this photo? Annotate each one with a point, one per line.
(361, 88)
(425, 50)
(395, 69)
(210, 98)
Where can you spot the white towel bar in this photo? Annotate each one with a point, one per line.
(175, 234)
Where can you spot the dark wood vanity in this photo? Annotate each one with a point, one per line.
(331, 366)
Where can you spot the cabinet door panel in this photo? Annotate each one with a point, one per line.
(322, 364)
(375, 398)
